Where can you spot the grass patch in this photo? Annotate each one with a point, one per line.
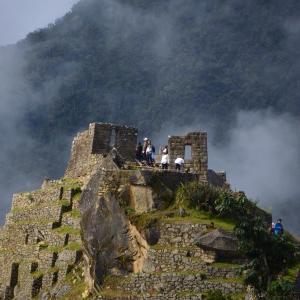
(75, 213)
(74, 246)
(37, 274)
(233, 296)
(53, 249)
(35, 222)
(225, 265)
(201, 217)
(292, 273)
(71, 183)
(115, 294)
(67, 230)
(237, 280)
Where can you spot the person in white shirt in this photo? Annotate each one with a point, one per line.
(178, 163)
(165, 161)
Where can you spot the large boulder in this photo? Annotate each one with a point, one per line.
(223, 243)
(111, 244)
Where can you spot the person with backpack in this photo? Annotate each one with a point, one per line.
(149, 152)
(278, 229)
(145, 145)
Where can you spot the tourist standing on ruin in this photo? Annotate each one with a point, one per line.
(149, 153)
(145, 145)
(165, 150)
(278, 230)
(165, 161)
(178, 163)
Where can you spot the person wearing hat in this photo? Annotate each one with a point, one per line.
(145, 145)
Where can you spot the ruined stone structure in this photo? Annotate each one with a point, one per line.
(90, 146)
(63, 240)
(198, 160)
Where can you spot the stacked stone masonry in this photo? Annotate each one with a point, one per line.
(198, 161)
(40, 241)
(90, 146)
(175, 269)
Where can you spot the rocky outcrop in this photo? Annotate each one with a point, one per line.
(112, 245)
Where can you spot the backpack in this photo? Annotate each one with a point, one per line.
(278, 228)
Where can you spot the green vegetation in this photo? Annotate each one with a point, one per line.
(67, 229)
(37, 274)
(74, 246)
(201, 217)
(75, 213)
(268, 255)
(225, 265)
(217, 295)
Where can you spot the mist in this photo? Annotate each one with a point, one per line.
(260, 155)
(119, 61)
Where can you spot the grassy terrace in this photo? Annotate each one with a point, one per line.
(200, 217)
(171, 216)
(67, 229)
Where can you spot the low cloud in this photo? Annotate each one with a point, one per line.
(261, 156)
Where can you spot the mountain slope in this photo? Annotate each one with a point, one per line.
(144, 63)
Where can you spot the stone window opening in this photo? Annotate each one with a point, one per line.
(113, 138)
(61, 192)
(54, 259)
(34, 267)
(66, 239)
(36, 286)
(14, 275)
(187, 152)
(54, 277)
(26, 239)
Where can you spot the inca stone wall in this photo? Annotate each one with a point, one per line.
(175, 269)
(40, 241)
(199, 159)
(80, 223)
(90, 146)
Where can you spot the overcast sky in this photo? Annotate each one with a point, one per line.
(19, 17)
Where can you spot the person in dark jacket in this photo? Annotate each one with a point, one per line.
(278, 229)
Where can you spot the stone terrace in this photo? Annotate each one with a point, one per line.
(175, 269)
(40, 241)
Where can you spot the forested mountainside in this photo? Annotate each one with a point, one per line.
(144, 63)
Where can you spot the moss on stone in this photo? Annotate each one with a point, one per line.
(225, 265)
(67, 230)
(37, 274)
(74, 246)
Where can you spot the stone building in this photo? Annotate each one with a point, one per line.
(193, 149)
(90, 146)
(80, 223)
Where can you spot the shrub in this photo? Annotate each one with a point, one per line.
(229, 204)
(280, 289)
(217, 295)
(197, 195)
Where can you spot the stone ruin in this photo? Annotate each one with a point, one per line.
(50, 232)
(90, 146)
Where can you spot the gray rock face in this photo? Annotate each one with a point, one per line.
(218, 240)
(112, 245)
